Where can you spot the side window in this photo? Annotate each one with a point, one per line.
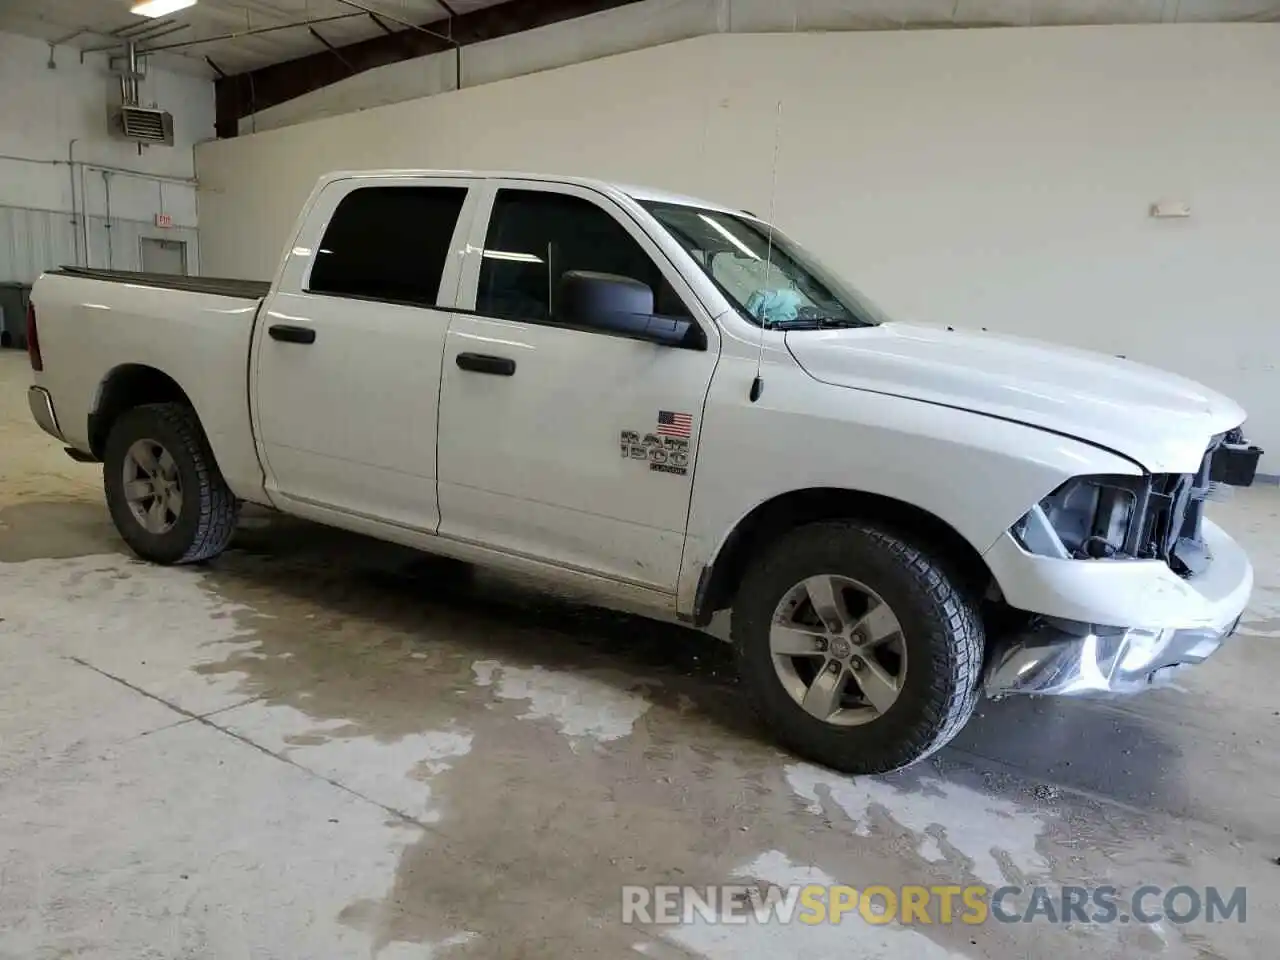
(534, 237)
(388, 243)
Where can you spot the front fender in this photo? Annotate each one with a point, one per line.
(975, 473)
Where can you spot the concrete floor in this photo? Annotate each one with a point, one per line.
(320, 746)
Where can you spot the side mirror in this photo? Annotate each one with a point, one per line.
(621, 305)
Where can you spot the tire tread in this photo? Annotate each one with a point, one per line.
(219, 508)
(956, 644)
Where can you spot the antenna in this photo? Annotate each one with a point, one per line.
(757, 385)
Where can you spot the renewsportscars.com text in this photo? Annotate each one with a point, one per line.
(972, 905)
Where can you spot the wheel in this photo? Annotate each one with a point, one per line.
(164, 490)
(856, 648)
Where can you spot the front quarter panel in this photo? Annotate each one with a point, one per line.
(976, 473)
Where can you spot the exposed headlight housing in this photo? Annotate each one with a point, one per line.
(1150, 517)
(1090, 517)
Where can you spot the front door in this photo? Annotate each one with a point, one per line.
(559, 442)
(347, 353)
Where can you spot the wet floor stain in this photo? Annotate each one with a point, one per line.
(605, 749)
(56, 529)
(996, 840)
(579, 706)
(1137, 761)
(355, 629)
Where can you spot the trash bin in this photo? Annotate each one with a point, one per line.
(13, 315)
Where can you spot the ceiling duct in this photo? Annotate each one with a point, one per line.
(143, 125)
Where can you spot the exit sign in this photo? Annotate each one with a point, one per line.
(164, 220)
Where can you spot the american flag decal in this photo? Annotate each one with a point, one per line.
(674, 424)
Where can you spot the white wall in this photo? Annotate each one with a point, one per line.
(41, 111)
(996, 178)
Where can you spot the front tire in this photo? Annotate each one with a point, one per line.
(164, 490)
(856, 648)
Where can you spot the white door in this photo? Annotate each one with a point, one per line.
(559, 442)
(347, 353)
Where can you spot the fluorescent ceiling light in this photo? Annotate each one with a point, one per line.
(728, 236)
(517, 257)
(160, 8)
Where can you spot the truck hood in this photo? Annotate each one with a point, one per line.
(1161, 421)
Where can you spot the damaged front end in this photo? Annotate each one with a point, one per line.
(1055, 657)
(1113, 519)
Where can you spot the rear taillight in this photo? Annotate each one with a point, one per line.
(33, 339)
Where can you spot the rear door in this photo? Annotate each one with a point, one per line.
(567, 444)
(347, 354)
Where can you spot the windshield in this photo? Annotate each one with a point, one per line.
(772, 280)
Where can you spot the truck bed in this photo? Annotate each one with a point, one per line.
(195, 331)
(219, 286)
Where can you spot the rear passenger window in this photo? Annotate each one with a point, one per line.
(388, 243)
(534, 237)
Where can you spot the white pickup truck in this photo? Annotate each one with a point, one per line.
(670, 403)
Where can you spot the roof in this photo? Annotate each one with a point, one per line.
(640, 193)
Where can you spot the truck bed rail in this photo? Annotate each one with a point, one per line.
(217, 286)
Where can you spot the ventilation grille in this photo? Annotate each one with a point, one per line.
(146, 125)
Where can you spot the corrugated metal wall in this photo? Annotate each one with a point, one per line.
(32, 241)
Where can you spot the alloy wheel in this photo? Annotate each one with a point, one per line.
(152, 486)
(838, 650)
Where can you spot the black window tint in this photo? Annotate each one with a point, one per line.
(535, 237)
(388, 243)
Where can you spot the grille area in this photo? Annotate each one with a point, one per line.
(1169, 514)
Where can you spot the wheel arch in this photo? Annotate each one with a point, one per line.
(784, 512)
(125, 387)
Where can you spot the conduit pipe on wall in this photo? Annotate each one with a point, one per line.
(79, 213)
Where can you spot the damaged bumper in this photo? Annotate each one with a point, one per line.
(1065, 658)
(1114, 626)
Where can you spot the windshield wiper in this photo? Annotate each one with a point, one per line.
(815, 323)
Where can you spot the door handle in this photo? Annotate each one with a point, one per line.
(486, 363)
(290, 334)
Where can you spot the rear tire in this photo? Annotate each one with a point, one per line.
(204, 514)
(919, 658)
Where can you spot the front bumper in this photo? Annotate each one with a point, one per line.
(41, 404)
(1113, 626)
(1063, 658)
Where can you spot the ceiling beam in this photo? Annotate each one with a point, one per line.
(239, 34)
(241, 95)
(404, 23)
(336, 51)
(375, 19)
